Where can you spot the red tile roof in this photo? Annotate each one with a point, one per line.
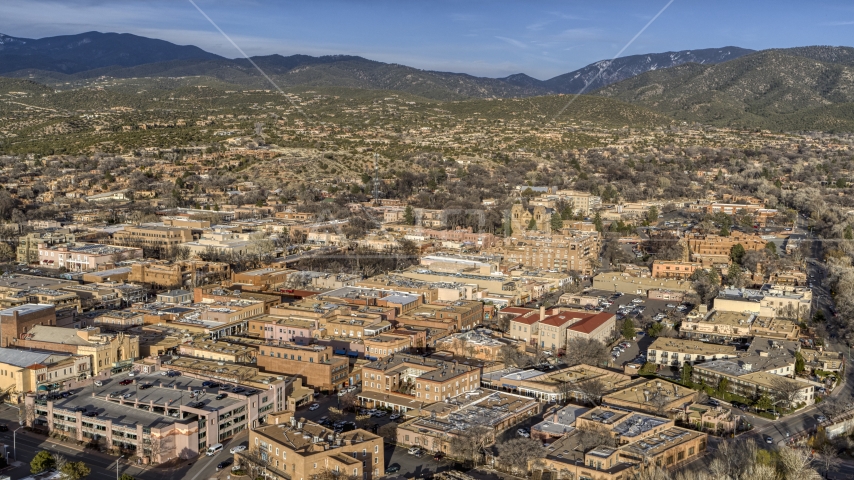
(528, 319)
(564, 317)
(588, 325)
(518, 310)
(532, 317)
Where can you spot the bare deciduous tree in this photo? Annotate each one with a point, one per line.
(585, 350)
(467, 445)
(519, 452)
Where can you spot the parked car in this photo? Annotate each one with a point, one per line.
(221, 396)
(145, 385)
(91, 414)
(127, 395)
(224, 463)
(237, 449)
(438, 456)
(99, 383)
(637, 300)
(238, 389)
(414, 451)
(523, 433)
(126, 381)
(394, 416)
(314, 406)
(4, 428)
(768, 439)
(392, 468)
(821, 419)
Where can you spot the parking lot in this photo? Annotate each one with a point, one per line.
(639, 309)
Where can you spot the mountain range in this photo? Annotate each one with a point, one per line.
(94, 54)
(803, 88)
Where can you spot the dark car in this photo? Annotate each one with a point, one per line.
(221, 396)
(4, 428)
(238, 389)
(392, 468)
(213, 385)
(91, 414)
(126, 381)
(224, 463)
(144, 386)
(207, 383)
(438, 456)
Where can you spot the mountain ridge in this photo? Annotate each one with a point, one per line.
(64, 58)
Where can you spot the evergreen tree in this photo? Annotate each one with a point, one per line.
(772, 248)
(41, 462)
(800, 364)
(628, 329)
(597, 221)
(687, 372)
(409, 216)
(532, 225)
(736, 253)
(556, 222)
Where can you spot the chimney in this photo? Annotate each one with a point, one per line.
(542, 312)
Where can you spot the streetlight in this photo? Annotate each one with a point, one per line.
(117, 466)
(15, 443)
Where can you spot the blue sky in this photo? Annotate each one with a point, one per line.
(489, 38)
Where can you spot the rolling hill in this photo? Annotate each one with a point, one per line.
(776, 89)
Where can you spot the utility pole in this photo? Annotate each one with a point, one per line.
(376, 180)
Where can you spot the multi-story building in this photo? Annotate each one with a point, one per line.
(158, 423)
(261, 278)
(643, 441)
(557, 329)
(675, 352)
(109, 352)
(582, 202)
(403, 382)
(718, 245)
(717, 325)
(82, 257)
(440, 422)
(742, 379)
(178, 274)
(218, 351)
(673, 269)
(778, 301)
(457, 316)
(23, 371)
(154, 237)
(16, 321)
(383, 345)
(315, 364)
(292, 448)
(28, 245)
(555, 252)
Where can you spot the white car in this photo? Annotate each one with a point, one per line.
(132, 374)
(314, 406)
(523, 433)
(394, 416)
(236, 449)
(414, 451)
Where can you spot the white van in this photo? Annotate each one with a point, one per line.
(214, 449)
